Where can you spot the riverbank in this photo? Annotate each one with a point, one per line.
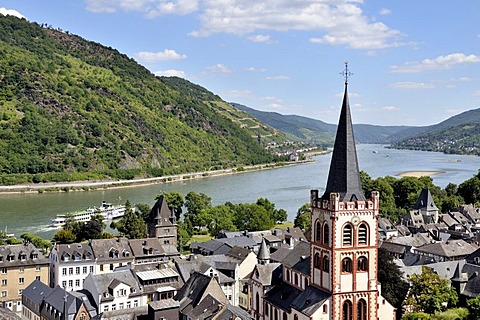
(115, 184)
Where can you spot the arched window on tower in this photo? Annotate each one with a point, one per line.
(362, 264)
(361, 310)
(347, 265)
(318, 231)
(326, 264)
(317, 261)
(363, 234)
(347, 310)
(326, 234)
(347, 235)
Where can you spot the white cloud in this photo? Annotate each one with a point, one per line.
(274, 99)
(385, 11)
(253, 69)
(411, 85)
(165, 55)
(476, 93)
(171, 73)
(342, 23)
(261, 38)
(461, 79)
(391, 108)
(438, 63)
(278, 78)
(150, 8)
(11, 12)
(219, 68)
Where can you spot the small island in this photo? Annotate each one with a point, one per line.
(418, 174)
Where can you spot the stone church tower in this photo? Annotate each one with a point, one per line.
(344, 241)
(162, 223)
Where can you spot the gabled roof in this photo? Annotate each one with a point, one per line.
(450, 249)
(344, 175)
(310, 300)
(282, 296)
(37, 291)
(268, 274)
(297, 255)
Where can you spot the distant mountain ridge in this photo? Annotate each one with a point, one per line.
(307, 129)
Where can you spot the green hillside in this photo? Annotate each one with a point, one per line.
(459, 134)
(74, 109)
(306, 129)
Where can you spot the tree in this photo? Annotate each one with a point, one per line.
(473, 306)
(92, 229)
(144, 210)
(429, 293)
(303, 217)
(279, 215)
(252, 217)
(64, 236)
(182, 235)
(470, 190)
(196, 202)
(132, 225)
(407, 190)
(175, 202)
(37, 241)
(217, 218)
(394, 288)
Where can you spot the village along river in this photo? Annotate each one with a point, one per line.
(287, 187)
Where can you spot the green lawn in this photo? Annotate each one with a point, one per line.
(284, 225)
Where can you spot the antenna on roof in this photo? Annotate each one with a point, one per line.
(346, 73)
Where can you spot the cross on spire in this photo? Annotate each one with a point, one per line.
(346, 73)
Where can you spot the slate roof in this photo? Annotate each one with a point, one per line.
(15, 250)
(80, 250)
(105, 281)
(238, 253)
(298, 255)
(141, 248)
(280, 254)
(343, 175)
(394, 247)
(425, 201)
(269, 274)
(56, 299)
(282, 296)
(160, 214)
(192, 291)
(264, 251)
(244, 242)
(201, 264)
(233, 312)
(37, 291)
(102, 247)
(205, 309)
(310, 300)
(450, 249)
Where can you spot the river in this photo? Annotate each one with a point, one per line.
(288, 187)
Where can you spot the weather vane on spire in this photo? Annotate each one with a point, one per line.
(346, 73)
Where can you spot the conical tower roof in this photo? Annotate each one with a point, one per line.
(263, 252)
(344, 176)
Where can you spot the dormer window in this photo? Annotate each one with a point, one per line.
(113, 253)
(10, 257)
(34, 255)
(22, 256)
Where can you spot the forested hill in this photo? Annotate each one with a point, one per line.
(76, 109)
(459, 134)
(307, 129)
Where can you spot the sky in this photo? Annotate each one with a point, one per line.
(413, 62)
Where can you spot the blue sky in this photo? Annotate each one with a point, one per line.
(413, 62)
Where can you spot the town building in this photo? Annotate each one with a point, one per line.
(111, 254)
(70, 264)
(162, 222)
(20, 265)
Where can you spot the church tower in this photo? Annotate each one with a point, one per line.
(344, 243)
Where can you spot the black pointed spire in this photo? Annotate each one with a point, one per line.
(344, 176)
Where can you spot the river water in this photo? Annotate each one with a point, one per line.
(287, 187)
